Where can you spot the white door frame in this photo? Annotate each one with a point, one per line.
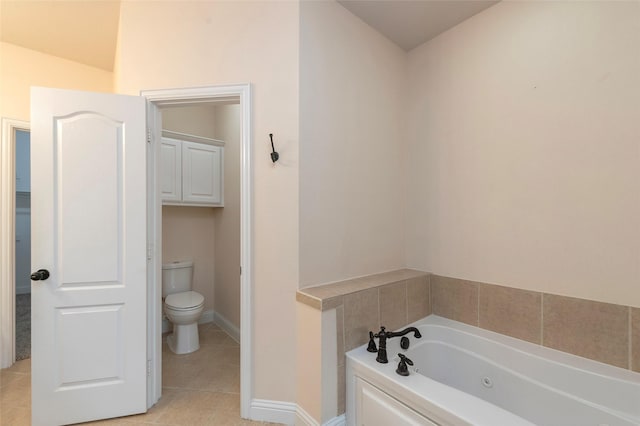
(8, 241)
(193, 96)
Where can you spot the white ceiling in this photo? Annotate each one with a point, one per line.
(411, 23)
(86, 31)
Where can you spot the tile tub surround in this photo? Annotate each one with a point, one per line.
(635, 339)
(600, 331)
(393, 299)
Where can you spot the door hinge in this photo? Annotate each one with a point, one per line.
(148, 368)
(148, 135)
(149, 252)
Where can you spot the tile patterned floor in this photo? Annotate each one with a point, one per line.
(202, 388)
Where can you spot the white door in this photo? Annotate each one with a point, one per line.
(88, 179)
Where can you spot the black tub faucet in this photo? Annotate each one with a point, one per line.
(383, 335)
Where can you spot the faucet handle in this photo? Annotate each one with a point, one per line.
(372, 345)
(381, 333)
(402, 369)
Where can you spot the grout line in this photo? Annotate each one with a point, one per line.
(541, 319)
(478, 305)
(430, 298)
(406, 302)
(379, 316)
(629, 340)
(344, 333)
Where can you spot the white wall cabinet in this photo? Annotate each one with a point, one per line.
(191, 173)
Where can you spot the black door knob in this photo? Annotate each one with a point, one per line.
(41, 275)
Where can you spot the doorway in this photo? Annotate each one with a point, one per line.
(23, 245)
(10, 130)
(200, 190)
(171, 98)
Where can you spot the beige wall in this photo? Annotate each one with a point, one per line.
(188, 233)
(227, 219)
(309, 353)
(524, 133)
(352, 148)
(22, 68)
(198, 120)
(182, 44)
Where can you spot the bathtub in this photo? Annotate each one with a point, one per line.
(463, 375)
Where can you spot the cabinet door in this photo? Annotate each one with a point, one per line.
(171, 170)
(376, 408)
(202, 173)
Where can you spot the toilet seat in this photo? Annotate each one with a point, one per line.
(184, 301)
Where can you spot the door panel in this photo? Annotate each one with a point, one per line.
(171, 170)
(88, 165)
(201, 173)
(89, 199)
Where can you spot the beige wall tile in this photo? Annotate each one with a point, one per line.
(332, 303)
(635, 339)
(393, 305)
(340, 334)
(594, 330)
(455, 299)
(418, 298)
(342, 391)
(390, 277)
(511, 311)
(353, 285)
(312, 301)
(361, 315)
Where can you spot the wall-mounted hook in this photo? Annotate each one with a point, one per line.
(274, 154)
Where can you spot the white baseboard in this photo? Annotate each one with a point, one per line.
(304, 418)
(273, 411)
(227, 326)
(206, 317)
(337, 421)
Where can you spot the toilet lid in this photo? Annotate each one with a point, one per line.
(184, 300)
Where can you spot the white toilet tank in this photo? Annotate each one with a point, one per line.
(176, 277)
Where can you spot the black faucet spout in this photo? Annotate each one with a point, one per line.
(416, 332)
(383, 335)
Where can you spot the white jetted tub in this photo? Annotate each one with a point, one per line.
(464, 375)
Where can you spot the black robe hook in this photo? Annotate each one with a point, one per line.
(274, 154)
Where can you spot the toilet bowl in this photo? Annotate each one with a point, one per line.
(184, 310)
(182, 306)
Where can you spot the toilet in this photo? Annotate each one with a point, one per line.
(182, 306)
